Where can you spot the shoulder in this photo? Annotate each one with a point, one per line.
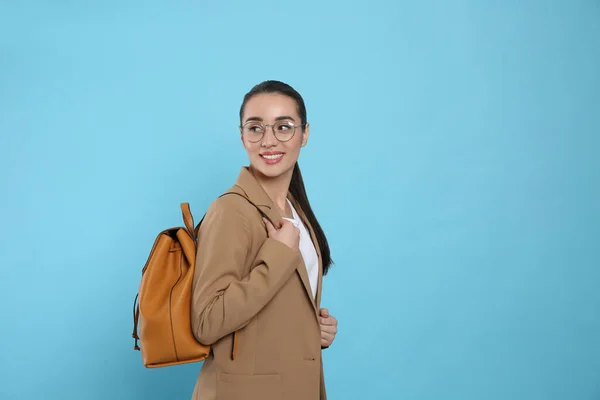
(233, 208)
(225, 220)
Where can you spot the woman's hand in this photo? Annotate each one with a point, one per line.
(328, 328)
(285, 233)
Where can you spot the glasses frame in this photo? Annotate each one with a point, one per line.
(265, 126)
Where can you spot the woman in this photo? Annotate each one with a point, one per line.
(257, 283)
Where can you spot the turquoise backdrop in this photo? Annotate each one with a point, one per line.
(453, 163)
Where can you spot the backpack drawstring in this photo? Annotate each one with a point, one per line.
(136, 314)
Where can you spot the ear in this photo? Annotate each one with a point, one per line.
(305, 134)
(242, 138)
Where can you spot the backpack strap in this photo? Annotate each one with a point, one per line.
(251, 202)
(188, 219)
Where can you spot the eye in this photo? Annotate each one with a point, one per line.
(285, 126)
(254, 128)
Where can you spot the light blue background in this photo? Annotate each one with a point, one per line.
(453, 163)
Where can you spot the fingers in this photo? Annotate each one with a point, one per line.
(285, 222)
(326, 339)
(328, 321)
(329, 329)
(270, 228)
(278, 225)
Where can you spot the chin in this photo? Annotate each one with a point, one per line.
(271, 171)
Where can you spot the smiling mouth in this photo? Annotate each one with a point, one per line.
(272, 156)
(272, 159)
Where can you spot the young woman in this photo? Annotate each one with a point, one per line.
(260, 261)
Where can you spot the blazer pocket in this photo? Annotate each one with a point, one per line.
(249, 387)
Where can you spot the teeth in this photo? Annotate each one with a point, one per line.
(273, 157)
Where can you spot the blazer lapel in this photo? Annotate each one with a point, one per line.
(256, 194)
(317, 299)
(250, 187)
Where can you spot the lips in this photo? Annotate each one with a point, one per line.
(271, 158)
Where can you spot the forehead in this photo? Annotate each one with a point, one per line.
(269, 106)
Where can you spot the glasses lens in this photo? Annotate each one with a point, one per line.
(284, 131)
(254, 131)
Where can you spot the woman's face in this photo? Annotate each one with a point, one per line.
(268, 155)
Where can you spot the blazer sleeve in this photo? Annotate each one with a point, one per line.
(224, 299)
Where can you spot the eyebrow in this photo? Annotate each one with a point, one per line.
(283, 117)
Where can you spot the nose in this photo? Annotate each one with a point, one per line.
(269, 139)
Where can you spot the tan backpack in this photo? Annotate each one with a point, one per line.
(164, 299)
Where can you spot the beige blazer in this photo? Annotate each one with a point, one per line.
(259, 287)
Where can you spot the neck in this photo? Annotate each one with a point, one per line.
(276, 188)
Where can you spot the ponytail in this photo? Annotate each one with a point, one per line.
(298, 190)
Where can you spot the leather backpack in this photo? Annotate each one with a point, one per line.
(162, 316)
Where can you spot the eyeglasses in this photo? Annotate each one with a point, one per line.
(283, 130)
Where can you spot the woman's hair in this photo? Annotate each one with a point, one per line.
(297, 184)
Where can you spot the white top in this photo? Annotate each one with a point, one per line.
(308, 251)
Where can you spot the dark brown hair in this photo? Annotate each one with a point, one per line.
(297, 188)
